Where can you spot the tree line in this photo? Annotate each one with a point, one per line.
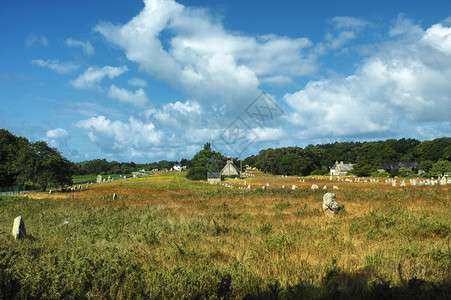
(104, 167)
(318, 159)
(23, 162)
(31, 163)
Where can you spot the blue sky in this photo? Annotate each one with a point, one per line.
(149, 80)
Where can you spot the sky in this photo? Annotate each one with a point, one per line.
(152, 80)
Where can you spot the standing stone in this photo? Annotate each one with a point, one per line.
(314, 187)
(330, 206)
(99, 179)
(293, 187)
(325, 187)
(114, 196)
(442, 181)
(19, 228)
(403, 184)
(335, 187)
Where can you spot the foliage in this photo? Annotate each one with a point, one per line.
(367, 156)
(206, 160)
(440, 168)
(32, 163)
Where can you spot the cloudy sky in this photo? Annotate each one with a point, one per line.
(143, 81)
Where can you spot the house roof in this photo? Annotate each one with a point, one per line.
(343, 167)
(214, 175)
(230, 169)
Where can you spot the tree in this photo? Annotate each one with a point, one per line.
(9, 146)
(42, 165)
(440, 168)
(206, 160)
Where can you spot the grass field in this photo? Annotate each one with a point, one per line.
(92, 178)
(166, 237)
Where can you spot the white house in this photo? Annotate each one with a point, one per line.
(340, 168)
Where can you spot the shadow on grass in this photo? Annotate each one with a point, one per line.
(340, 285)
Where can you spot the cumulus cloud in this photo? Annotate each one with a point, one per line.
(94, 75)
(137, 98)
(85, 46)
(56, 65)
(56, 136)
(179, 115)
(192, 51)
(407, 81)
(116, 136)
(36, 40)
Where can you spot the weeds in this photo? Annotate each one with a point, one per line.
(198, 241)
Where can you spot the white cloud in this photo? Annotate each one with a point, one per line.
(94, 75)
(439, 37)
(190, 50)
(85, 46)
(56, 65)
(116, 136)
(137, 82)
(56, 136)
(187, 108)
(57, 133)
(346, 23)
(267, 134)
(407, 81)
(345, 29)
(36, 40)
(138, 98)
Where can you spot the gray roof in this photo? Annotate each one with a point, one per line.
(214, 175)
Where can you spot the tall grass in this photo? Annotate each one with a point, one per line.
(197, 241)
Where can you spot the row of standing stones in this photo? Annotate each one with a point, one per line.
(330, 209)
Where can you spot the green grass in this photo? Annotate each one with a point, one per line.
(76, 179)
(210, 242)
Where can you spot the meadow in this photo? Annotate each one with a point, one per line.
(167, 237)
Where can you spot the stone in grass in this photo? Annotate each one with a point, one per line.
(114, 196)
(314, 187)
(19, 228)
(330, 206)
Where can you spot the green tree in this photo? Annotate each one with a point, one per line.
(44, 166)
(206, 160)
(440, 168)
(10, 145)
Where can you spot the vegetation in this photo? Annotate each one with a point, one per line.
(367, 155)
(168, 237)
(34, 163)
(206, 160)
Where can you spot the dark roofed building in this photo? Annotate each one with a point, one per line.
(387, 166)
(214, 176)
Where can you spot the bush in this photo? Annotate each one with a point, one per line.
(197, 173)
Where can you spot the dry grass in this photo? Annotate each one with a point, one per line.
(184, 231)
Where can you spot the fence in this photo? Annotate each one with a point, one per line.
(14, 190)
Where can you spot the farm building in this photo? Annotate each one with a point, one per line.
(340, 168)
(214, 176)
(230, 170)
